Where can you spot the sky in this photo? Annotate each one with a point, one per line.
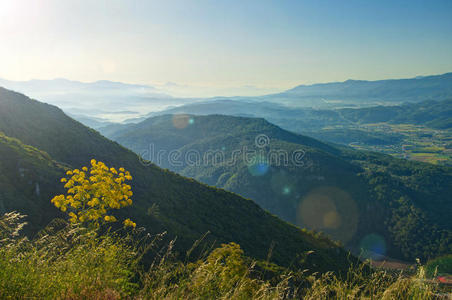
(223, 44)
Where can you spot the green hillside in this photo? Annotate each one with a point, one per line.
(163, 201)
(366, 200)
(414, 131)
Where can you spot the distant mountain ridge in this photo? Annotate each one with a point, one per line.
(436, 114)
(103, 98)
(100, 99)
(63, 83)
(434, 87)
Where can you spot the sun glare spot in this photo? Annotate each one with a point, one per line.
(258, 166)
(373, 246)
(282, 184)
(325, 208)
(182, 121)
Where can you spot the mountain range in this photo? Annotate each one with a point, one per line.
(103, 100)
(432, 113)
(394, 207)
(39, 143)
(109, 101)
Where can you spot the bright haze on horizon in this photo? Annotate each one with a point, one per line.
(224, 48)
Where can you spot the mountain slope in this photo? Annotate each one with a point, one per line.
(27, 179)
(210, 127)
(387, 129)
(347, 194)
(162, 199)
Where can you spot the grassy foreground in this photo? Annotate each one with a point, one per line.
(68, 261)
(85, 259)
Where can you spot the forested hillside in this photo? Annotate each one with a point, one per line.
(400, 206)
(414, 131)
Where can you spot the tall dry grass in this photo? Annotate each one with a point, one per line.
(71, 262)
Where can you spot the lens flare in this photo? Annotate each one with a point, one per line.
(332, 219)
(373, 246)
(258, 166)
(282, 183)
(286, 190)
(330, 210)
(182, 121)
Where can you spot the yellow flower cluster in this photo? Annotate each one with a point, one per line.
(93, 192)
(128, 222)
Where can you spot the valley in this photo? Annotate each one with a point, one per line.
(406, 141)
(371, 191)
(349, 202)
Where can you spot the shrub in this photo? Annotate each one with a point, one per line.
(92, 193)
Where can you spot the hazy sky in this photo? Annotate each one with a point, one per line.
(224, 43)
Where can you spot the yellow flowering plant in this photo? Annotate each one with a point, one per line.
(92, 193)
